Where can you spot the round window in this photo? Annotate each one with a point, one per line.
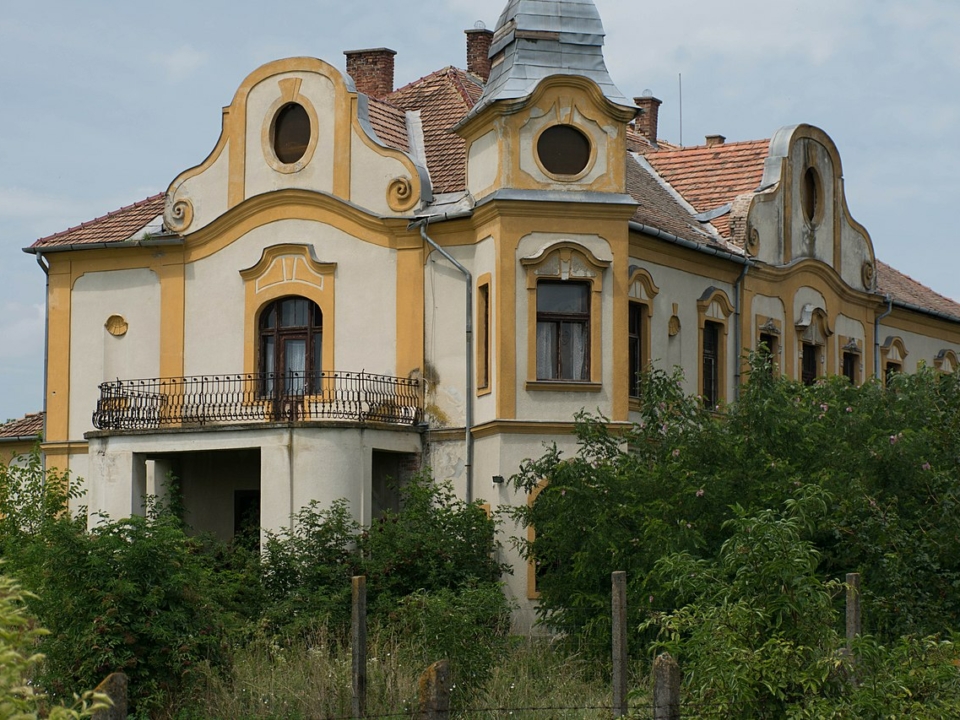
(563, 150)
(291, 133)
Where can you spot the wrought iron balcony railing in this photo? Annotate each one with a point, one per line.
(255, 398)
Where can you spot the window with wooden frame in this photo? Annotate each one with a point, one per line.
(812, 333)
(483, 335)
(636, 345)
(710, 357)
(565, 289)
(291, 347)
(563, 330)
(768, 341)
(641, 293)
(714, 310)
(851, 353)
(809, 363)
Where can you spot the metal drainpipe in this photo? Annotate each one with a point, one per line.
(876, 336)
(468, 463)
(737, 292)
(46, 351)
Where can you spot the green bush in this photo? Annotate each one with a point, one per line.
(19, 634)
(756, 635)
(468, 626)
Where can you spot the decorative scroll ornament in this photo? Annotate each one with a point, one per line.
(180, 216)
(400, 196)
(116, 325)
(866, 275)
(753, 241)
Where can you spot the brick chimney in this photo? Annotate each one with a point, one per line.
(371, 70)
(715, 140)
(478, 52)
(647, 119)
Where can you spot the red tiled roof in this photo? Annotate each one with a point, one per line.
(711, 176)
(637, 142)
(443, 98)
(905, 289)
(390, 124)
(113, 227)
(658, 208)
(30, 425)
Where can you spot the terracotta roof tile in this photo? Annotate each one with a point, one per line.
(390, 123)
(30, 425)
(636, 142)
(905, 289)
(113, 227)
(711, 176)
(659, 208)
(443, 98)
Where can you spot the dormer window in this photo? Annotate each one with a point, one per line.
(563, 150)
(291, 133)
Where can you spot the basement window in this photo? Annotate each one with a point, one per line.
(291, 133)
(563, 150)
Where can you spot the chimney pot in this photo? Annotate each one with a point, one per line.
(646, 121)
(371, 70)
(715, 140)
(478, 51)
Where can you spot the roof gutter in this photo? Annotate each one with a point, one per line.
(925, 311)
(146, 242)
(468, 423)
(689, 244)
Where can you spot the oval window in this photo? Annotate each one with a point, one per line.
(809, 192)
(291, 133)
(563, 150)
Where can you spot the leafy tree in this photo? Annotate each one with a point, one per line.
(889, 457)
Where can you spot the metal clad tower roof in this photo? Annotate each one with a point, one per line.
(539, 38)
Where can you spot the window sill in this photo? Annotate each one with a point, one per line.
(635, 404)
(564, 386)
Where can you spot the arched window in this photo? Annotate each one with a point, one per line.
(291, 346)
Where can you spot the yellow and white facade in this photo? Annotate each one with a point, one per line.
(584, 264)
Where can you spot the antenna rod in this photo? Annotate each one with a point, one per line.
(680, 84)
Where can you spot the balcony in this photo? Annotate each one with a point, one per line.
(211, 400)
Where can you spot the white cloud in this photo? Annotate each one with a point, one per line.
(180, 63)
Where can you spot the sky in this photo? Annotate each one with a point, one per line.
(103, 103)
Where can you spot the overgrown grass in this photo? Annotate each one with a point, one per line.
(310, 678)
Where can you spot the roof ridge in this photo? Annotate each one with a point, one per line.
(718, 146)
(457, 74)
(110, 214)
(434, 74)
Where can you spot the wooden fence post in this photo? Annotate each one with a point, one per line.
(619, 641)
(853, 609)
(435, 692)
(666, 688)
(358, 644)
(114, 687)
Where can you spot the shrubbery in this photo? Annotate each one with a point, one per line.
(141, 596)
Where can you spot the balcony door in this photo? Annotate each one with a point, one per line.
(291, 347)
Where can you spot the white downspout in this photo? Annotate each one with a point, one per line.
(468, 463)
